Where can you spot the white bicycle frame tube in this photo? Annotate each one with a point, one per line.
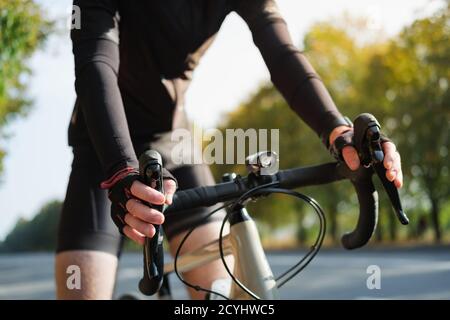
(251, 267)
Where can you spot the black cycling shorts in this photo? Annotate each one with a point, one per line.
(86, 223)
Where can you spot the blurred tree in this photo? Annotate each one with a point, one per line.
(23, 28)
(410, 78)
(340, 55)
(38, 234)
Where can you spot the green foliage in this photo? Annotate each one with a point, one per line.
(22, 29)
(38, 234)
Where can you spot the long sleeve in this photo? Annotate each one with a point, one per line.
(290, 71)
(96, 53)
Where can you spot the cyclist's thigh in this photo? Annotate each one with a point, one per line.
(87, 238)
(191, 176)
(85, 222)
(85, 274)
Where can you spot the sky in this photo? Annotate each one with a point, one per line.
(38, 162)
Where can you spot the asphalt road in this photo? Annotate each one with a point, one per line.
(333, 274)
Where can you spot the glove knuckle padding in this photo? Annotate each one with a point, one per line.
(344, 140)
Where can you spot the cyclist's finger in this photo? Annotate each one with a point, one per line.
(396, 170)
(143, 192)
(134, 235)
(391, 174)
(146, 229)
(389, 154)
(399, 180)
(143, 212)
(170, 187)
(351, 158)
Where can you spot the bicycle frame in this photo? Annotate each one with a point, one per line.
(251, 267)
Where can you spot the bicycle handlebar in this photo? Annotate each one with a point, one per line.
(368, 143)
(227, 191)
(290, 179)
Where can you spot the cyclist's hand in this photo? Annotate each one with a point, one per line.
(140, 218)
(128, 211)
(391, 161)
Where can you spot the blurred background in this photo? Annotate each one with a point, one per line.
(389, 58)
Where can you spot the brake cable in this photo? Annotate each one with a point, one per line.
(295, 270)
(308, 257)
(298, 267)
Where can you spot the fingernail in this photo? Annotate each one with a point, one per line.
(391, 175)
(161, 198)
(160, 219)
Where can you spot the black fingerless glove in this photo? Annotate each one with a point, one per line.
(344, 140)
(119, 186)
(347, 139)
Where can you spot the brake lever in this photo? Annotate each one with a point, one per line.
(150, 167)
(368, 143)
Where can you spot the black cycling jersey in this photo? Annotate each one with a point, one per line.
(134, 61)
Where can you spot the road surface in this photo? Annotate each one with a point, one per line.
(418, 273)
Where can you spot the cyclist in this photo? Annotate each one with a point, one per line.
(133, 63)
